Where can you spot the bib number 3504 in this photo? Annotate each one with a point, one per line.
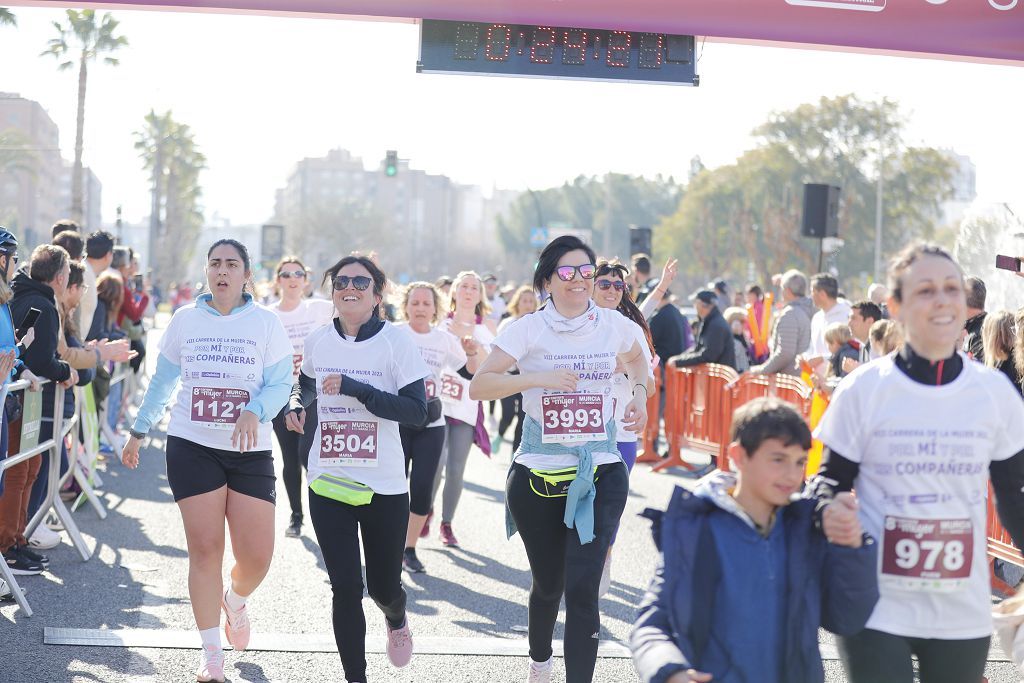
(216, 407)
(572, 417)
(927, 554)
(349, 443)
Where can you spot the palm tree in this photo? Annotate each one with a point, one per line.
(90, 40)
(7, 17)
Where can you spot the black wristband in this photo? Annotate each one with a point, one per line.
(137, 435)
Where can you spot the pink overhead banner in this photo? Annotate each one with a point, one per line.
(979, 29)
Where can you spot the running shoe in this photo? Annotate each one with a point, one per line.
(425, 531)
(448, 536)
(412, 563)
(294, 529)
(5, 592)
(19, 565)
(211, 665)
(236, 626)
(540, 672)
(34, 556)
(399, 645)
(44, 538)
(606, 576)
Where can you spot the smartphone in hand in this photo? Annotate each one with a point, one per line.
(1008, 263)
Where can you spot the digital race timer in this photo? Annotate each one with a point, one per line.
(466, 47)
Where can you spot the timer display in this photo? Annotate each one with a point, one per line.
(466, 47)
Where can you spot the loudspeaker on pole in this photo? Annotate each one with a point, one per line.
(821, 211)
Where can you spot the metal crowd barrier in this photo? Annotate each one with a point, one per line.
(83, 455)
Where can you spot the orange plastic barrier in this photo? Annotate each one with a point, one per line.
(649, 451)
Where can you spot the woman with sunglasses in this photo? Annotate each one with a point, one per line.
(467, 319)
(366, 377)
(612, 292)
(300, 316)
(234, 362)
(567, 485)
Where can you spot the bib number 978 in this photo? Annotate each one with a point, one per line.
(927, 554)
(572, 417)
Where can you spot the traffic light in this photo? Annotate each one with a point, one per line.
(391, 164)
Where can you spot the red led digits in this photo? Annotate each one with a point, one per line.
(651, 50)
(499, 43)
(619, 44)
(467, 41)
(574, 46)
(542, 47)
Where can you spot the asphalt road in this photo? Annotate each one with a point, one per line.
(137, 580)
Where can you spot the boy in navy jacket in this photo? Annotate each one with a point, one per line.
(746, 576)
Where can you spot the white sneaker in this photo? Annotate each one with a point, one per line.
(606, 576)
(43, 538)
(540, 672)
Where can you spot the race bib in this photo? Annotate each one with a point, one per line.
(927, 554)
(431, 387)
(572, 417)
(348, 443)
(451, 388)
(216, 407)
(296, 363)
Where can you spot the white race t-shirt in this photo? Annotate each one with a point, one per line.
(222, 359)
(924, 453)
(300, 321)
(622, 390)
(455, 389)
(443, 354)
(591, 353)
(351, 442)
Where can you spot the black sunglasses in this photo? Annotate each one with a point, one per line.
(360, 282)
(619, 285)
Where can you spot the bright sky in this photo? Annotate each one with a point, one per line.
(263, 92)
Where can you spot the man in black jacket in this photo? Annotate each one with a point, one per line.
(714, 343)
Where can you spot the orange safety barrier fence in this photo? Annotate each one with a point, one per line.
(648, 447)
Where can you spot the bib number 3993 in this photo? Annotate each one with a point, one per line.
(216, 407)
(572, 417)
(927, 554)
(348, 443)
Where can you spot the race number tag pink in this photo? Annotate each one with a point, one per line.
(296, 363)
(218, 408)
(572, 417)
(927, 554)
(451, 388)
(348, 443)
(431, 388)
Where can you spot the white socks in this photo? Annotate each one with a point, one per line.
(233, 600)
(211, 637)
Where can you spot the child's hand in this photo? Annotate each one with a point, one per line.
(840, 522)
(689, 676)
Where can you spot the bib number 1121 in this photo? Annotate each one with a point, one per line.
(216, 407)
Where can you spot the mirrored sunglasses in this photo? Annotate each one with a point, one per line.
(289, 274)
(567, 273)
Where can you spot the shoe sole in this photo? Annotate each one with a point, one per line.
(25, 572)
(414, 571)
(39, 546)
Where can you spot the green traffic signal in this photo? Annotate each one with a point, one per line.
(391, 164)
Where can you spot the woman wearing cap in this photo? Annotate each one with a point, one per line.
(567, 485)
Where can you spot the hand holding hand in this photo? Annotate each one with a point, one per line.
(840, 522)
(295, 421)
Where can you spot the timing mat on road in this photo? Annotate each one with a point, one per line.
(301, 642)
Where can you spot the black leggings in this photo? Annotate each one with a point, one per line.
(423, 448)
(560, 563)
(293, 459)
(382, 524)
(512, 407)
(877, 657)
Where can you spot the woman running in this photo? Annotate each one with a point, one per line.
(367, 376)
(300, 316)
(442, 353)
(611, 292)
(919, 434)
(234, 362)
(523, 302)
(467, 319)
(567, 486)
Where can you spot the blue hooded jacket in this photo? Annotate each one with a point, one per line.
(826, 585)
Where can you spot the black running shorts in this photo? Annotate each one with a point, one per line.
(193, 469)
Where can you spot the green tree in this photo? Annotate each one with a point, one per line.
(746, 216)
(83, 38)
(7, 17)
(169, 152)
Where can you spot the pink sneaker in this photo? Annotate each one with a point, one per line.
(400, 645)
(211, 665)
(448, 536)
(236, 626)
